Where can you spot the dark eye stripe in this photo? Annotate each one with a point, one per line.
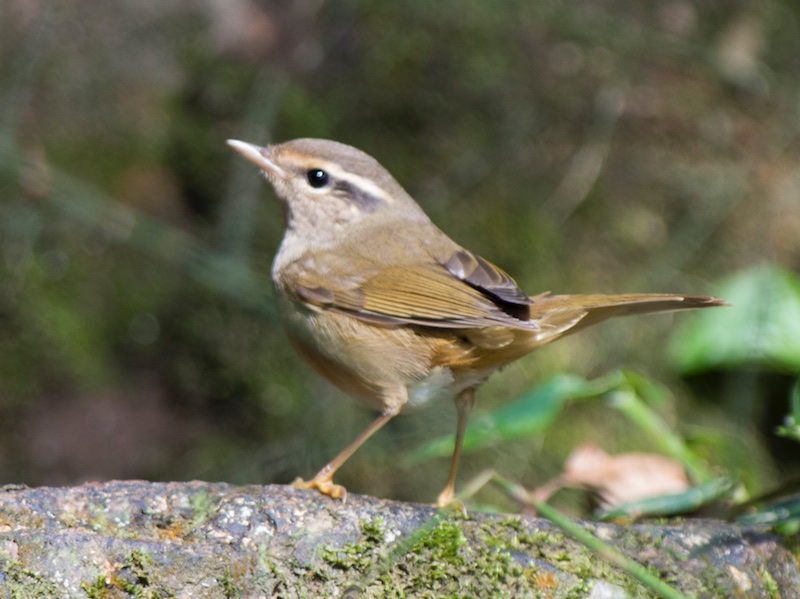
(361, 198)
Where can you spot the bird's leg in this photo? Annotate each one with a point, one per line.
(464, 403)
(323, 480)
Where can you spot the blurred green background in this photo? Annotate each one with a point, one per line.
(588, 146)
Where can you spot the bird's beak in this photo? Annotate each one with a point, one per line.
(257, 155)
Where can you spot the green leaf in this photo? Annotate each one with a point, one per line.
(762, 327)
(777, 513)
(669, 505)
(791, 428)
(528, 415)
(643, 416)
(652, 392)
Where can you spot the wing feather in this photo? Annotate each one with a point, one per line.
(426, 294)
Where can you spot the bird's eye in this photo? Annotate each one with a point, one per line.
(317, 178)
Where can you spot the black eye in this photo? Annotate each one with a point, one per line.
(317, 178)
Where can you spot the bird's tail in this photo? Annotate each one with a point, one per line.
(559, 315)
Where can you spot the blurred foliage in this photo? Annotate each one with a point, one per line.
(527, 416)
(791, 426)
(784, 515)
(761, 328)
(585, 147)
(689, 501)
(531, 415)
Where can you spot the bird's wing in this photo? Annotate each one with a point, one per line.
(484, 276)
(465, 292)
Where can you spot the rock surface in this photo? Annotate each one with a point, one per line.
(138, 539)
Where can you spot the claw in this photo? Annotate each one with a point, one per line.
(324, 485)
(445, 498)
(448, 500)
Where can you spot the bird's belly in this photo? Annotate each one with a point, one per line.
(379, 365)
(371, 363)
(443, 383)
(437, 384)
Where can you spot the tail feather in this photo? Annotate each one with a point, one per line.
(559, 315)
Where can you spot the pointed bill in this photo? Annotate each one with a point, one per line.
(256, 155)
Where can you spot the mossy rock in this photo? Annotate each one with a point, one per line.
(138, 539)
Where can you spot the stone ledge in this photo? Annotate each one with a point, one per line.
(196, 539)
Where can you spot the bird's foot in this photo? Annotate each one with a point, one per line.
(448, 500)
(445, 498)
(323, 484)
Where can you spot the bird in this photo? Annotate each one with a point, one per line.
(386, 307)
